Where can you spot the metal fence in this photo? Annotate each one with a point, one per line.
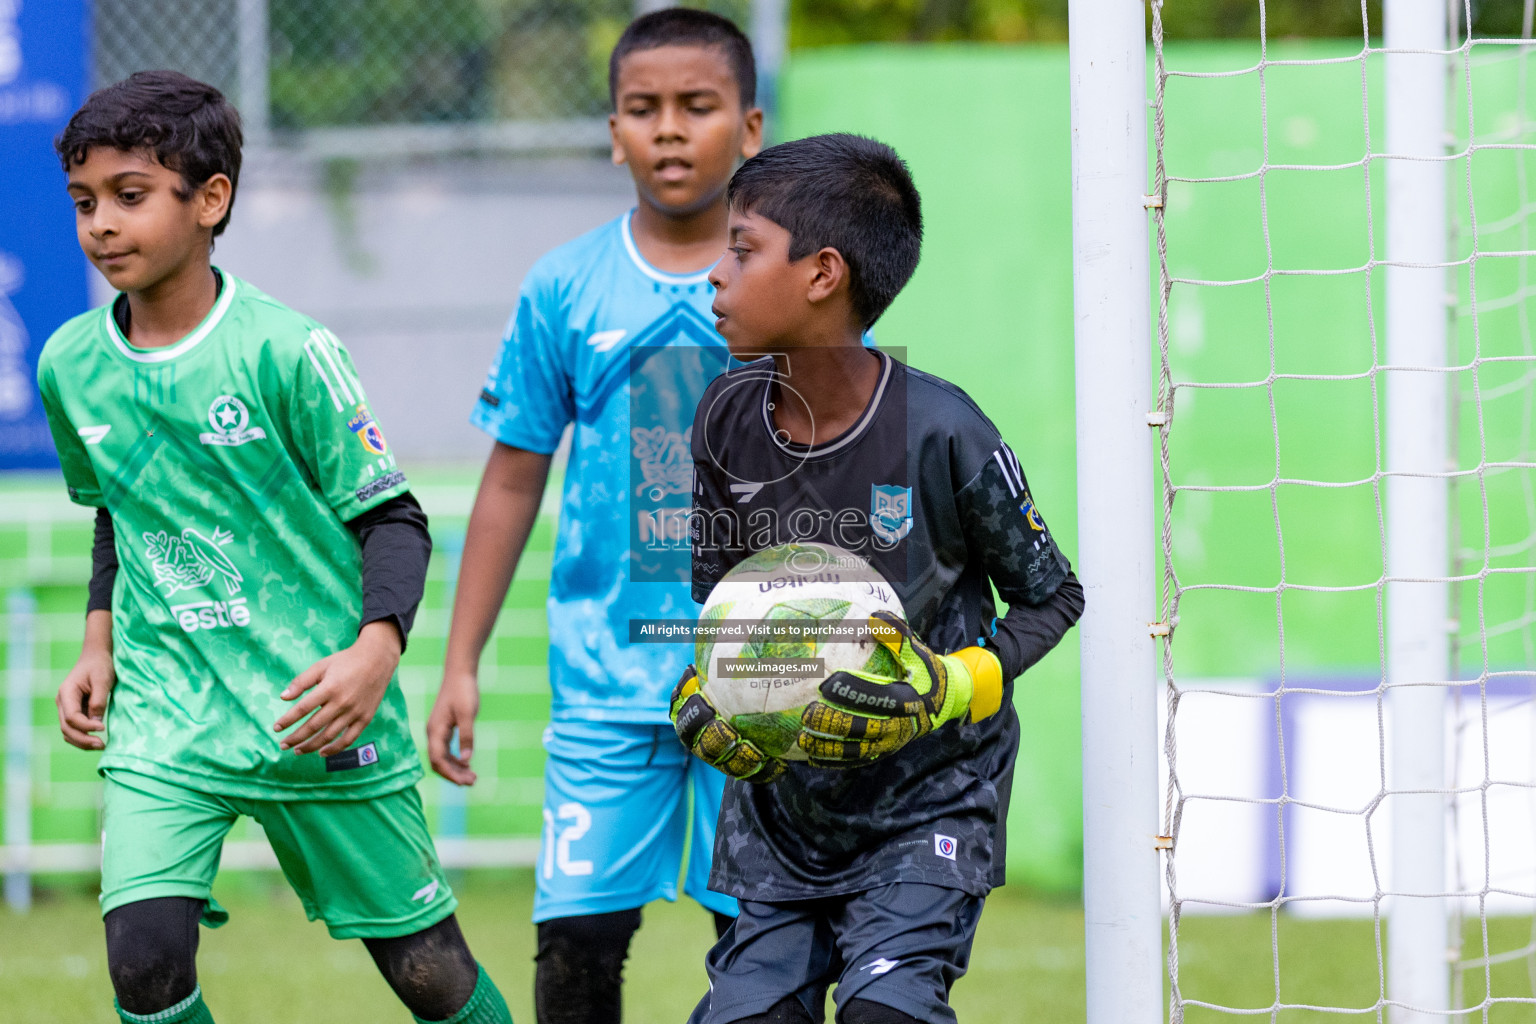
(342, 77)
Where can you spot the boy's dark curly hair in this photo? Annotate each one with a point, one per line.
(187, 125)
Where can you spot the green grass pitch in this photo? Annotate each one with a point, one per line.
(268, 965)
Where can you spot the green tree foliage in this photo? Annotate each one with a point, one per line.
(354, 62)
(839, 22)
(372, 61)
(358, 62)
(1239, 19)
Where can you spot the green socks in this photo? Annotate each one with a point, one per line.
(191, 1010)
(485, 1006)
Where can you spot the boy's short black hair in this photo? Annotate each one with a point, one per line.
(843, 192)
(684, 26)
(188, 125)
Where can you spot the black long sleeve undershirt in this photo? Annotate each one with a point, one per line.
(395, 545)
(103, 565)
(1028, 632)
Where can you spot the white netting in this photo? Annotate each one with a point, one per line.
(1270, 168)
(1493, 522)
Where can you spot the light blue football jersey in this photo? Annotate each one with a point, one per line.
(622, 352)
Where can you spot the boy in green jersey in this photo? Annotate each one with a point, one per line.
(257, 565)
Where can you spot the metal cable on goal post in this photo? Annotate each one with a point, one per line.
(1471, 815)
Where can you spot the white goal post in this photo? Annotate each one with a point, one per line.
(1120, 417)
(1111, 273)
(1417, 508)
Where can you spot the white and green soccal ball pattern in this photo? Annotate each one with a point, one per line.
(803, 584)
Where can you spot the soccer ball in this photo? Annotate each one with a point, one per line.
(777, 625)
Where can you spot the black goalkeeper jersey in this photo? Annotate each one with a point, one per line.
(925, 489)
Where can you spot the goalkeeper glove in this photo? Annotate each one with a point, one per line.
(862, 716)
(714, 740)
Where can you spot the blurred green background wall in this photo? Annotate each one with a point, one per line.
(986, 132)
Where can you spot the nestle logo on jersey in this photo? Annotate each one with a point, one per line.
(212, 615)
(191, 559)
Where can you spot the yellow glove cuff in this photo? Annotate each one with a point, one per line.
(686, 690)
(986, 680)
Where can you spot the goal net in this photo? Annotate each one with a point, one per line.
(1345, 404)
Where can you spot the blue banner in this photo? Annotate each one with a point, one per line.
(43, 55)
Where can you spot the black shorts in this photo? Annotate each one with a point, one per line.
(901, 945)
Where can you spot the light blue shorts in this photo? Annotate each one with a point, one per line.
(623, 804)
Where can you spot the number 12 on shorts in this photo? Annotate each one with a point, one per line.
(557, 851)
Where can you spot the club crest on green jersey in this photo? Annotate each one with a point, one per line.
(367, 430)
(231, 422)
(191, 560)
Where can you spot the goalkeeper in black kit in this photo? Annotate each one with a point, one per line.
(873, 875)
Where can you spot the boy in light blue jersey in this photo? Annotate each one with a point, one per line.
(612, 338)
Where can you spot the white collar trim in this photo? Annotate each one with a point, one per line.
(853, 434)
(651, 272)
(160, 355)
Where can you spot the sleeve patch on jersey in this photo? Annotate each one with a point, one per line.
(357, 757)
(1031, 514)
(367, 430)
(490, 398)
(380, 485)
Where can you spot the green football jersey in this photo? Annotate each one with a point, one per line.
(230, 462)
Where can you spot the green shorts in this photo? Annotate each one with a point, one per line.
(366, 867)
